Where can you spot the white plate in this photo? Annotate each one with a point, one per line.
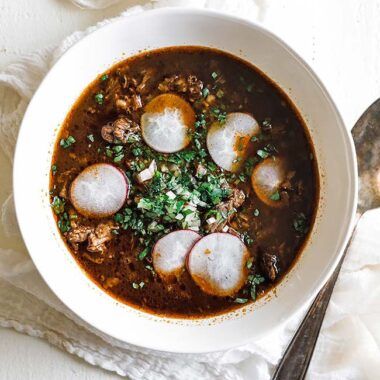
(171, 27)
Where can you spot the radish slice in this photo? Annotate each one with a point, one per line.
(217, 264)
(98, 191)
(169, 253)
(266, 179)
(167, 123)
(228, 143)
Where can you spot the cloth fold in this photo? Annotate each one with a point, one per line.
(27, 304)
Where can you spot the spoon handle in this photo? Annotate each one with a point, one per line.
(296, 359)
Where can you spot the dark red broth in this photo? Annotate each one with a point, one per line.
(214, 83)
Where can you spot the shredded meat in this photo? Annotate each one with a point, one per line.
(128, 103)
(120, 130)
(143, 86)
(269, 264)
(190, 85)
(78, 234)
(96, 237)
(237, 198)
(124, 92)
(63, 180)
(228, 210)
(99, 237)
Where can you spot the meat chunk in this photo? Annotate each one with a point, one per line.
(269, 264)
(189, 85)
(96, 237)
(63, 180)
(124, 92)
(120, 130)
(77, 235)
(143, 86)
(128, 103)
(237, 198)
(227, 210)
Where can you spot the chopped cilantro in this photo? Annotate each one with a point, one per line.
(214, 75)
(118, 157)
(300, 223)
(266, 125)
(262, 153)
(241, 300)
(58, 205)
(247, 239)
(253, 281)
(137, 151)
(220, 115)
(91, 137)
(249, 263)
(64, 223)
(141, 256)
(249, 87)
(116, 153)
(66, 143)
(99, 98)
(104, 77)
(201, 120)
(205, 92)
(275, 196)
(54, 169)
(256, 212)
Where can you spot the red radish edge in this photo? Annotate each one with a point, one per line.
(169, 275)
(244, 269)
(100, 215)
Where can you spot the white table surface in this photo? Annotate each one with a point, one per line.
(342, 44)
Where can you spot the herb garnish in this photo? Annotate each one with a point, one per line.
(262, 153)
(58, 206)
(99, 98)
(91, 137)
(205, 92)
(54, 169)
(275, 196)
(241, 300)
(116, 152)
(66, 143)
(141, 256)
(64, 223)
(300, 223)
(253, 281)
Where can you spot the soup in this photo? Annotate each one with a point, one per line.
(184, 182)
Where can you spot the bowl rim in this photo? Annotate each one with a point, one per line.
(17, 167)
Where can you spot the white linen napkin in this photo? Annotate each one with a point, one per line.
(348, 347)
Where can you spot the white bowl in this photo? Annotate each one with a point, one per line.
(171, 27)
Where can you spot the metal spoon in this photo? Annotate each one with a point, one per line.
(366, 134)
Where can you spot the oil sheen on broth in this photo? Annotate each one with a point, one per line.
(184, 182)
